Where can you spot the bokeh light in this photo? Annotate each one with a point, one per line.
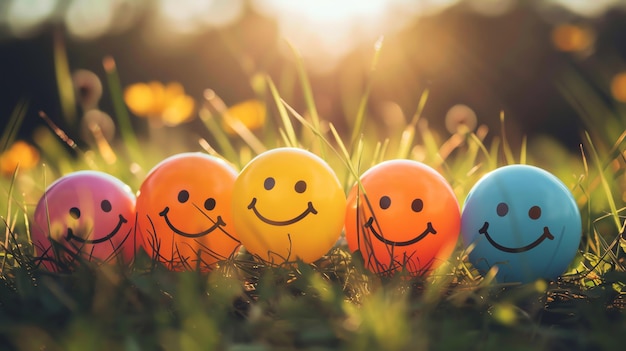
(588, 8)
(492, 7)
(25, 17)
(618, 87)
(87, 19)
(251, 113)
(21, 154)
(572, 38)
(191, 16)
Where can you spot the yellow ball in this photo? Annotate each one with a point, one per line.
(288, 204)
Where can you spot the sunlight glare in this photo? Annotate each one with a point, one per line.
(324, 31)
(224, 12)
(319, 12)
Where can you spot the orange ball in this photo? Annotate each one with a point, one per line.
(405, 217)
(184, 211)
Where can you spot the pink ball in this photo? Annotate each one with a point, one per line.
(89, 215)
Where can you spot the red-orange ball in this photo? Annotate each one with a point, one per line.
(184, 212)
(405, 217)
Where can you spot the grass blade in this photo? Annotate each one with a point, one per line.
(218, 106)
(308, 95)
(408, 135)
(15, 121)
(478, 142)
(605, 183)
(344, 155)
(220, 136)
(7, 232)
(282, 112)
(506, 148)
(522, 155)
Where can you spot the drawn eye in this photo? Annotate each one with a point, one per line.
(183, 196)
(417, 205)
(534, 212)
(75, 212)
(384, 202)
(502, 209)
(300, 186)
(106, 206)
(209, 204)
(269, 183)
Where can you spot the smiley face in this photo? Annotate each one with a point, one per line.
(106, 207)
(88, 214)
(184, 211)
(404, 215)
(299, 187)
(523, 220)
(502, 210)
(416, 206)
(209, 205)
(289, 205)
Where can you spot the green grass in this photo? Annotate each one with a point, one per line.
(332, 304)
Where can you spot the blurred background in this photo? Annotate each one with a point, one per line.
(552, 67)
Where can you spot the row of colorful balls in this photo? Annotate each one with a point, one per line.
(195, 210)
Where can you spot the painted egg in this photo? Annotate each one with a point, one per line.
(84, 215)
(404, 216)
(523, 220)
(184, 212)
(289, 205)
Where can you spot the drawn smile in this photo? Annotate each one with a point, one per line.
(309, 209)
(546, 235)
(219, 223)
(429, 230)
(72, 236)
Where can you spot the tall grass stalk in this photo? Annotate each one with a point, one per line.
(64, 79)
(308, 95)
(121, 112)
(359, 120)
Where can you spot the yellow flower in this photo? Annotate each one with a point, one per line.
(167, 103)
(178, 109)
(572, 38)
(251, 113)
(139, 100)
(19, 154)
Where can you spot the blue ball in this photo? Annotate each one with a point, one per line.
(524, 220)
